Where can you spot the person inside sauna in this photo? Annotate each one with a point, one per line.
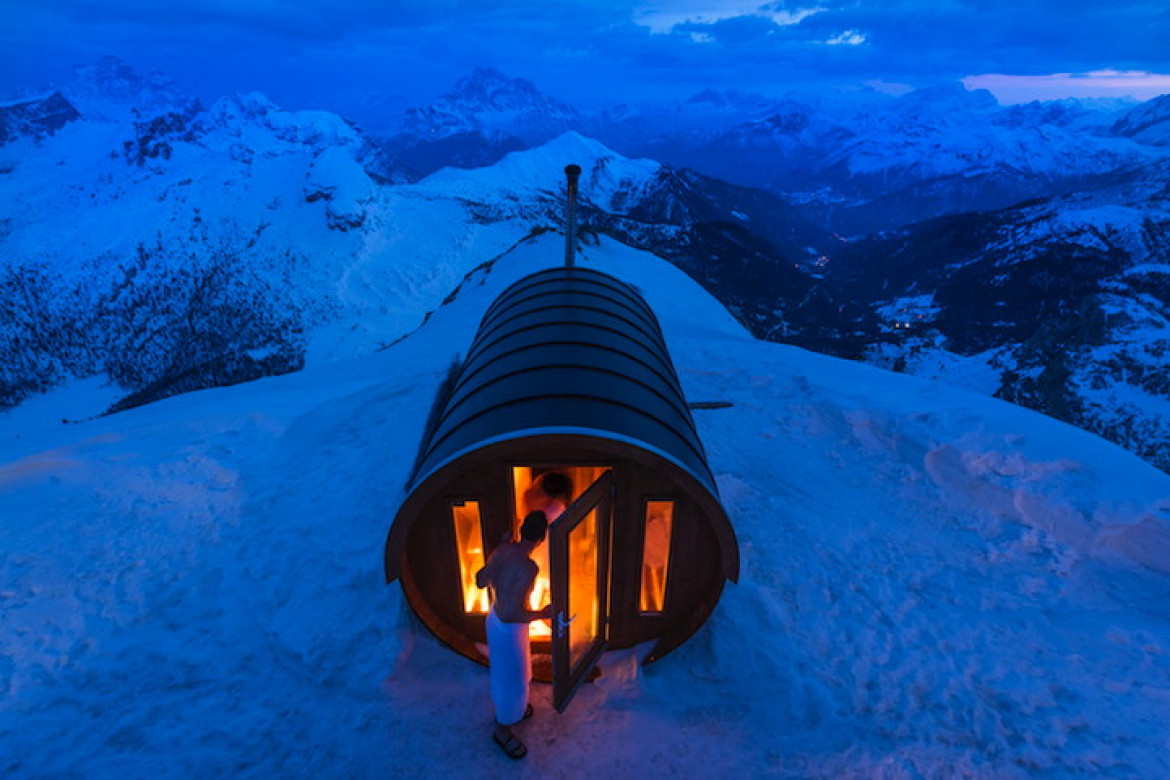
(550, 494)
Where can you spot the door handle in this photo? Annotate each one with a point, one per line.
(562, 624)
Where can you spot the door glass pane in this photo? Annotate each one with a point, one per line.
(584, 606)
(656, 555)
(469, 549)
(580, 554)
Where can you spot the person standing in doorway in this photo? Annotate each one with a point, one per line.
(509, 576)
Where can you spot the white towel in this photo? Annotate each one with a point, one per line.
(510, 667)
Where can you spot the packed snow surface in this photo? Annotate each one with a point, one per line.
(935, 584)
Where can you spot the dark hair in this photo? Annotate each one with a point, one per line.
(534, 527)
(556, 485)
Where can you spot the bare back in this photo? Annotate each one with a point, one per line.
(510, 573)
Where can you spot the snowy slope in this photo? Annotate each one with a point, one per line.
(1148, 123)
(1061, 305)
(935, 584)
(206, 247)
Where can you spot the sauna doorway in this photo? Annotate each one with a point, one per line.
(573, 566)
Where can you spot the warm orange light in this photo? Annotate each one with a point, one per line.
(583, 604)
(469, 547)
(656, 555)
(541, 593)
(523, 479)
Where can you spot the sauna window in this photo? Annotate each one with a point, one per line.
(659, 524)
(469, 546)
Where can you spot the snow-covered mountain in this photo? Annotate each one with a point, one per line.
(875, 162)
(111, 89)
(756, 253)
(168, 246)
(934, 583)
(858, 161)
(483, 117)
(1148, 123)
(35, 117)
(198, 246)
(180, 247)
(1061, 304)
(490, 102)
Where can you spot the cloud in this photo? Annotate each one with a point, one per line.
(847, 38)
(612, 50)
(733, 31)
(915, 38)
(311, 19)
(665, 17)
(333, 19)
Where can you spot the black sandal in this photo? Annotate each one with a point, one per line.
(512, 746)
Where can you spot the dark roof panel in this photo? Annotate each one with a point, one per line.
(568, 349)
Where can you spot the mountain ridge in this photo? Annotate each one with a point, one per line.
(261, 238)
(295, 235)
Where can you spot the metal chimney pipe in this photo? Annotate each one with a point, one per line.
(573, 172)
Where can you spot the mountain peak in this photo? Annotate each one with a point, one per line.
(1149, 123)
(574, 145)
(35, 118)
(244, 105)
(492, 103)
(112, 87)
(543, 163)
(606, 175)
(490, 89)
(953, 94)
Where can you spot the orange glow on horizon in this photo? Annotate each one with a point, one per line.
(1014, 88)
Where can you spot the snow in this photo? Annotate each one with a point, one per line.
(927, 358)
(284, 196)
(935, 584)
(81, 400)
(31, 97)
(338, 178)
(605, 177)
(1147, 268)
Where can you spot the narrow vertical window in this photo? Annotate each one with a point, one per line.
(469, 546)
(656, 555)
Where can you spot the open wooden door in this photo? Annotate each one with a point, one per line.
(579, 543)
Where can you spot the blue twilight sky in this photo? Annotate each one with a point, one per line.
(596, 53)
